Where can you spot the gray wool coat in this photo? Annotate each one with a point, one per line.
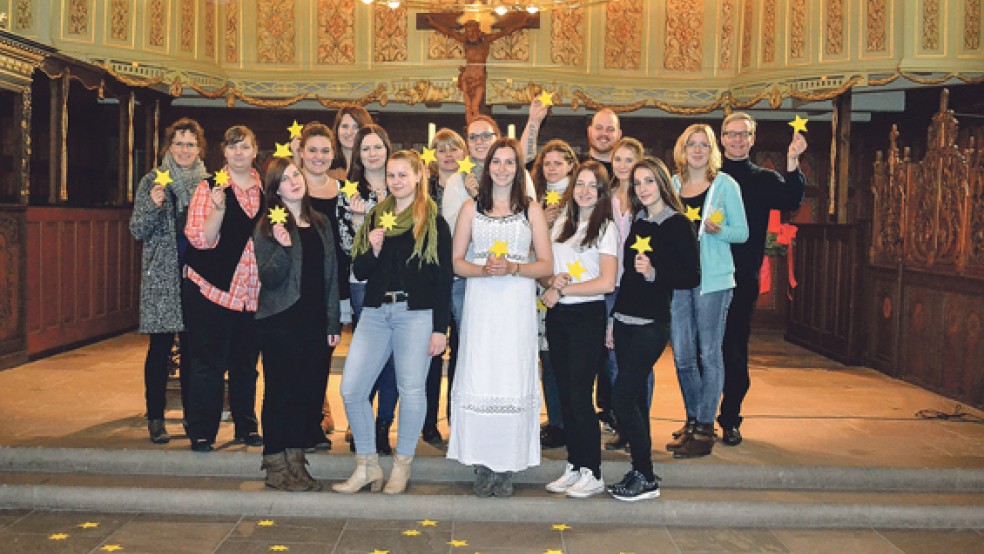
(160, 278)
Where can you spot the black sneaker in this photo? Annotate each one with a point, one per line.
(250, 439)
(732, 436)
(158, 434)
(432, 436)
(608, 422)
(634, 487)
(552, 436)
(201, 445)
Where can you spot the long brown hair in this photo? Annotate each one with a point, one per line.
(666, 190)
(600, 214)
(518, 201)
(272, 178)
(357, 172)
(361, 117)
(556, 145)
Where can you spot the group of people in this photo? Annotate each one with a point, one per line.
(516, 259)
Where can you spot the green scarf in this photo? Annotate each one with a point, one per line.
(424, 247)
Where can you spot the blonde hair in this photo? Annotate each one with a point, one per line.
(421, 197)
(739, 116)
(680, 151)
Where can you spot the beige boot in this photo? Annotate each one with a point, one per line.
(400, 477)
(367, 471)
(297, 466)
(277, 475)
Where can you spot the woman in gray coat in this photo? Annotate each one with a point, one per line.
(160, 207)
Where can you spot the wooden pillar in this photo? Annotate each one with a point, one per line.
(151, 143)
(58, 145)
(124, 186)
(22, 113)
(840, 154)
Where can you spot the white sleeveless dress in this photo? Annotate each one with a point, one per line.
(495, 401)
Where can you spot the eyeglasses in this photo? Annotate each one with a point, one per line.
(736, 134)
(188, 145)
(481, 137)
(701, 145)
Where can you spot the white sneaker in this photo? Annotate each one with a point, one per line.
(565, 481)
(587, 485)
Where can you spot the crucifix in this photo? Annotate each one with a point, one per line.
(476, 44)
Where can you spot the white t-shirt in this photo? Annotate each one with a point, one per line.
(570, 252)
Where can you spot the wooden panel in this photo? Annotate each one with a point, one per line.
(85, 280)
(921, 336)
(882, 317)
(13, 333)
(962, 348)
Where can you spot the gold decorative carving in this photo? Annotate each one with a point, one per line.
(157, 18)
(889, 208)
(389, 34)
(513, 47)
(931, 24)
(78, 17)
(746, 33)
(231, 38)
(797, 29)
(972, 24)
(24, 15)
(506, 91)
(336, 32)
(768, 31)
(835, 28)
(975, 218)
(119, 20)
(187, 25)
(684, 26)
(876, 26)
(424, 91)
(440, 47)
(727, 33)
(210, 29)
(275, 31)
(623, 34)
(567, 36)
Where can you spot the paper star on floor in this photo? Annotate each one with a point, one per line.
(428, 155)
(222, 177)
(295, 129)
(411, 533)
(560, 527)
(89, 525)
(265, 523)
(546, 98)
(58, 536)
(716, 217)
(499, 248)
(798, 124)
(457, 544)
(277, 215)
(387, 221)
(552, 198)
(552, 551)
(693, 213)
(163, 177)
(111, 547)
(377, 551)
(641, 245)
(279, 548)
(428, 523)
(576, 269)
(465, 165)
(283, 151)
(350, 189)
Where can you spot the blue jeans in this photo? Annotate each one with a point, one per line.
(385, 385)
(697, 334)
(390, 331)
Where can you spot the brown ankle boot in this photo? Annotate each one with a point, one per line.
(700, 444)
(680, 438)
(277, 475)
(297, 467)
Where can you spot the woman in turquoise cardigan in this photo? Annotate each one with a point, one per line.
(713, 204)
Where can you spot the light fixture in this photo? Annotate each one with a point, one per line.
(501, 10)
(393, 4)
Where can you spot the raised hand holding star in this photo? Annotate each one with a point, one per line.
(163, 177)
(552, 198)
(277, 215)
(387, 221)
(641, 245)
(546, 98)
(465, 165)
(350, 189)
(283, 151)
(798, 124)
(428, 155)
(295, 129)
(222, 177)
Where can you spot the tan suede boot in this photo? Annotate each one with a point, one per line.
(367, 471)
(297, 466)
(277, 475)
(400, 477)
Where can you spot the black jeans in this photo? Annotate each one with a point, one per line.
(295, 373)
(737, 331)
(156, 372)
(637, 348)
(434, 378)
(576, 333)
(221, 340)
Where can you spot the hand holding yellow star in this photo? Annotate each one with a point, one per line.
(163, 177)
(89, 525)
(428, 155)
(552, 198)
(798, 124)
(428, 523)
(265, 523)
(641, 245)
(693, 213)
(387, 221)
(283, 151)
(465, 165)
(295, 129)
(277, 215)
(545, 98)
(716, 217)
(499, 248)
(111, 548)
(411, 533)
(576, 269)
(350, 189)
(540, 305)
(222, 177)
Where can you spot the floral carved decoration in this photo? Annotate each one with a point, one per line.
(119, 20)
(684, 26)
(835, 28)
(390, 34)
(797, 29)
(876, 26)
(78, 17)
(231, 34)
(157, 18)
(623, 35)
(275, 31)
(769, 31)
(187, 25)
(24, 15)
(727, 33)
(746, 34)
(209, 29)
(931, 24)
(972, 24)
(336, 32)
(567, 37)
(513, 47)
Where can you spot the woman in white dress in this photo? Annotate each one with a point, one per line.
(495, 408)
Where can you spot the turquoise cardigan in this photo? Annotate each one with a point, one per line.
(717, 268)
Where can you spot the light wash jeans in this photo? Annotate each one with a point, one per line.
(697, 333)
(390, 329)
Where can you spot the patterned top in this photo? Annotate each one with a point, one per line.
(513, 229)
(346, 226)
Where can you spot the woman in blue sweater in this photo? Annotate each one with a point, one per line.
(713, 204)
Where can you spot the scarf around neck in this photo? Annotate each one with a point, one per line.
(424, 246)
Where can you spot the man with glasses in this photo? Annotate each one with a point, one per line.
(762, 190)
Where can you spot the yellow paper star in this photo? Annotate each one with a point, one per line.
(411, 532)
(279, 548)
(387, 221)
(222, 177)
(265, 523)
(58, 536)
(277, 215)
(499, 248)
(552, 198)
(540, 305)
(163, 177)
(641, 245)
(798, 124)
(576, 269)
(377, 551)
(716, 217)
(428, 155)
(552, 551)
(89, 525)
(295, 129)
(428, 523)
(456, 543)
(350, 189)
(546, 98)
(465, 165)
(693, 213)
(283, 151)
(560, 527)
(111, 548)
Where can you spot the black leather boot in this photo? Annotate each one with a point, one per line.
(382, 438)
